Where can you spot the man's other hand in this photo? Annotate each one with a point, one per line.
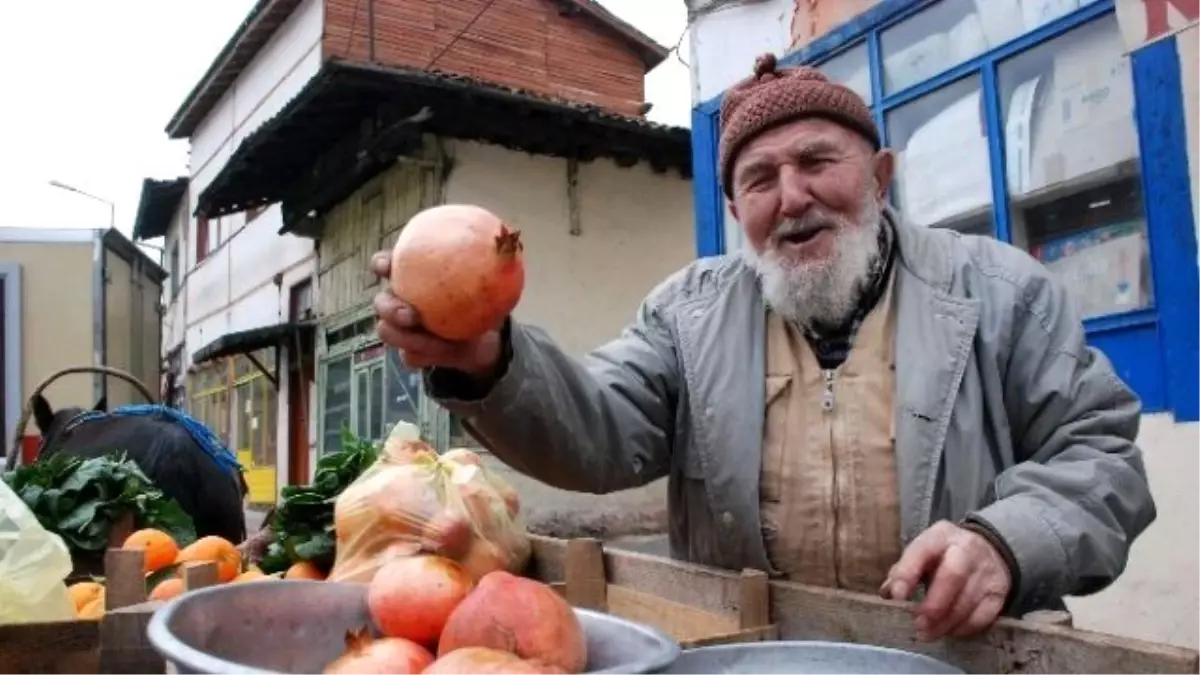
(969, 581)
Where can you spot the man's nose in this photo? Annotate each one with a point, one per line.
(795, 196)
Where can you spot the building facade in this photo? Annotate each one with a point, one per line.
(534, 109)
(233, 275)
(72, 298)
(311, 136)
(1064, 127)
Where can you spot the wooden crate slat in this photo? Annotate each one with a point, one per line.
(124, 582)
(1043, 643)
(1010, 646)
(586, 571)
(116, 643)
(680, 621)
(706, 588)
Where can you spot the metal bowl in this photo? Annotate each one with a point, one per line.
(295, 626)
(804, 657)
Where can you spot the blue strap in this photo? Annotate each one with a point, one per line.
(204, 437)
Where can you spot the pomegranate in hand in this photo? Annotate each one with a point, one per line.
(460, 268)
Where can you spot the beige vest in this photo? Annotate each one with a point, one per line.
(829, 501)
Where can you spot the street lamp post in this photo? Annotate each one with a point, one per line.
(112, 208)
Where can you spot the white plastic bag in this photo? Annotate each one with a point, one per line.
(413, 501)
(34, 563)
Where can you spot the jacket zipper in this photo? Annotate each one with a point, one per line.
(827, 395)
(827, 400)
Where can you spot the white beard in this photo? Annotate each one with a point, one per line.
(824, 292)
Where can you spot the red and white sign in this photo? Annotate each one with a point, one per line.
(1144, 21)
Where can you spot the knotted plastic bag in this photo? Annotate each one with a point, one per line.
(412, 501)
(34, 563)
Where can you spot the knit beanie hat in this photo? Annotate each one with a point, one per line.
(774, 96)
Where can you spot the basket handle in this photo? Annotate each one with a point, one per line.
(19, 433)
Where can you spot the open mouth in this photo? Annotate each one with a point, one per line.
(800, 237)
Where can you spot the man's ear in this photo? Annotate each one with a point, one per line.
(733, 209)
(885, 171)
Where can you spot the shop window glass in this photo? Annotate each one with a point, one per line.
(851, 68)
(362, 425)
(1072, 166)
(933, 41)
(335, 410)
(943, 175)
(403, 389)
(953, 31)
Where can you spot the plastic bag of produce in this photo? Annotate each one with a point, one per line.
(413, 501)
(34, 563)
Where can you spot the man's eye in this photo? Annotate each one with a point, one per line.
(754, 181)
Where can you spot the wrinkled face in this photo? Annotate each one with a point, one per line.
(809, 195)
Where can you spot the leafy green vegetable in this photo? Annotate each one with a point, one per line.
(82, 499)
(303, 521)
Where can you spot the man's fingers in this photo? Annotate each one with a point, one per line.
(946, 588)
(381, 264)
(416, 341)
(963, 604)
(918, 558)
(985, 613)
(393, 311)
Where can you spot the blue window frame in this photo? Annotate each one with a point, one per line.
(1154, 344)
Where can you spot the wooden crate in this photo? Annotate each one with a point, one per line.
(697, 605)
(585, 583)
(114, 644)
(1042, 643)
(1029, 645)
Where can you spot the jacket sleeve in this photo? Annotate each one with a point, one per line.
(600, 424)
(1071, 506)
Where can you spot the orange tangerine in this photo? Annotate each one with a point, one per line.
(160, 549)
(213, 549)
(304, 570)
(169, 588)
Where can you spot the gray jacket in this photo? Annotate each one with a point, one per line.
(1003, 413)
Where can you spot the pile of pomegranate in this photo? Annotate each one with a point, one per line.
(434, 619)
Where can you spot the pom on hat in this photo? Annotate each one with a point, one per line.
(764, 65)
(772, 96)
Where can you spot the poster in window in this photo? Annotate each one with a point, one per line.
(1102, 267)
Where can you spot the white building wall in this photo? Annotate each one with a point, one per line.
(632, 220)
(1188, 43)
(174, 312)
(1157, 597)
(234, 287)
(726, 39)
(276, 74)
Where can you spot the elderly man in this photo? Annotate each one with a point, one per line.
(853, 402)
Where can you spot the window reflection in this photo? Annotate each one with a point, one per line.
(934, 40)
(852, 69)
(336, 409)
(403, 392)
(953, 31)
(943, 174)
(1072, 166)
